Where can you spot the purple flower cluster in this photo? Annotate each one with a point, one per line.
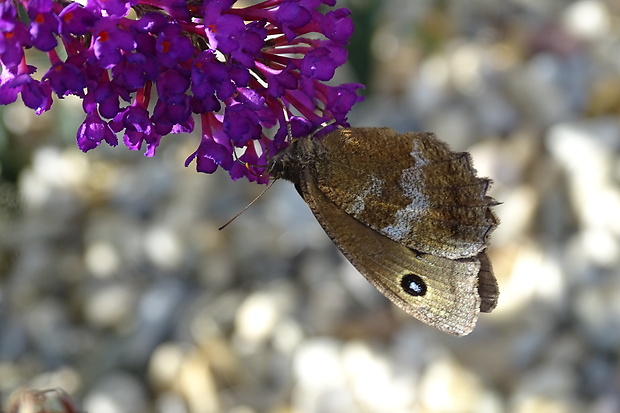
(144, 68)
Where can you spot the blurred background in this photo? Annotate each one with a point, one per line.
(116, 286)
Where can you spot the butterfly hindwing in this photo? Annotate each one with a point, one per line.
(422, 195)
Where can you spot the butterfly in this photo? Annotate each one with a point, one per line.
(409, 214)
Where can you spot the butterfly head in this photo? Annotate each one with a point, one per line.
(286, 163)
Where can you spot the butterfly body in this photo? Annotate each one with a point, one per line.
(408, 213)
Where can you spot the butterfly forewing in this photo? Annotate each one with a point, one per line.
(450, 303)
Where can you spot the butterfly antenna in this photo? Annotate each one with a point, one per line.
(248, 205)
(247, 165)
(289, 130)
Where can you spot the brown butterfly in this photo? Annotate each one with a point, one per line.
(407, 212)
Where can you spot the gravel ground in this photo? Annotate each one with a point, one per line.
(116, 286)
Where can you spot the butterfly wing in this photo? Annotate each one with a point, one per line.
(422, 194)
(441, 292)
